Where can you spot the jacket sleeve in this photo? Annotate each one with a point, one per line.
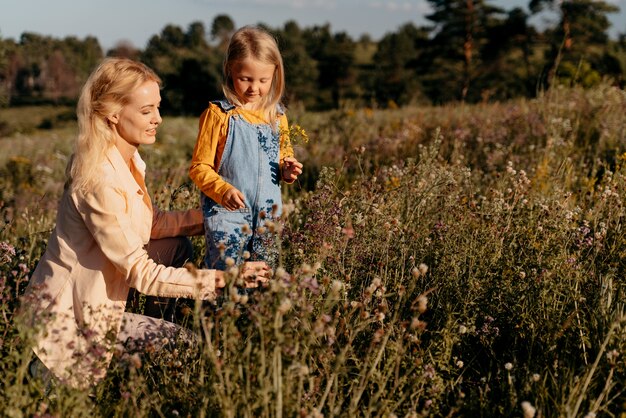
(212, 131)
(104, 210)
(176, 223)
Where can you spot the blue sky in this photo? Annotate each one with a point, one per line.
(137, 20)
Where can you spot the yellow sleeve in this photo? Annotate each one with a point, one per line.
(213, 127)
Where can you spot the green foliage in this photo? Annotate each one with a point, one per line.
(436, 261)
(472, 52)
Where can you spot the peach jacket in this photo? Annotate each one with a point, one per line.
(95, 254)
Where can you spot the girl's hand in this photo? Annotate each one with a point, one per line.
(233, 199)
(292, 168)
(256, 273)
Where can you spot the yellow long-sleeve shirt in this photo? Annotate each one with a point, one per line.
(207, 153)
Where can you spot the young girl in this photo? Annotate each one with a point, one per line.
(243, 151)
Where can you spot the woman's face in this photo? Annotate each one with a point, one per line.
(252, 80)
(137, 121)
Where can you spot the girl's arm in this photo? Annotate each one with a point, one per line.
(210, 143)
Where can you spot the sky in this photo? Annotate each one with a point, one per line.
(135, 21)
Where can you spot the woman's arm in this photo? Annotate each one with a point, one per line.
(104, 210)
(176, 223)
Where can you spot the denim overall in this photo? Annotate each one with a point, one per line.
(250, 163)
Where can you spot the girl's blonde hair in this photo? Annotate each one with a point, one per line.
(254, 42)
(105, 93)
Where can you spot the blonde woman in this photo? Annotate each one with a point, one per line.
(105, 226)
(243, 152)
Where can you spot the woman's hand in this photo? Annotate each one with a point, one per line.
(292, 168)
(256, 273)
(233, 199)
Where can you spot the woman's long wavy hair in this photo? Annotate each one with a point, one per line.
(254, 42)
(105, 93)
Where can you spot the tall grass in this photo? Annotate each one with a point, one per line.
(452, 261)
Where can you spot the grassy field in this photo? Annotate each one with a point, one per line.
(446, 261)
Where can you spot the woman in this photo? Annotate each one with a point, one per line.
(105, 222)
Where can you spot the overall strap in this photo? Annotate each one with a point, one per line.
(227, 106)
(224, 104)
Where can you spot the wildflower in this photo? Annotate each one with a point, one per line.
(281, 273)
(528, 410)
(230, 261)
(246, 229)
(222, 248)
(462, 329)
(459, 364)
(380, 316)
(422, 302)
(423, 268)
(288, 208)
(135, 361)
(271, 226)
(315, 413)
(284, 306)
(246, 255)
(429, 371)
(336, 286)
(536, 377)
(612, 356)
(7, 252)
(508, 366)
(348, 231)
(417, 324)
(378, 335)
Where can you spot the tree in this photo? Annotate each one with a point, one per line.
(124, 49)
(459, 32)
(189, 66)
(334, 55)
(508, 69)
(396, 77)
(222, 29)
(300, 69)
(580, 36)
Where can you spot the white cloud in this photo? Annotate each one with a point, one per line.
(298, 4)
(420, 6)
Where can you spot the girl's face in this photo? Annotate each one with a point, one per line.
(137, 121)
(252, 80)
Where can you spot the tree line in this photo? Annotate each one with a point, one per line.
(469, 51)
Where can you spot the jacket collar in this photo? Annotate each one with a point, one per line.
(122, 170)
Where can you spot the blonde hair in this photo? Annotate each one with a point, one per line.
(105, 93)
(254, 42)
